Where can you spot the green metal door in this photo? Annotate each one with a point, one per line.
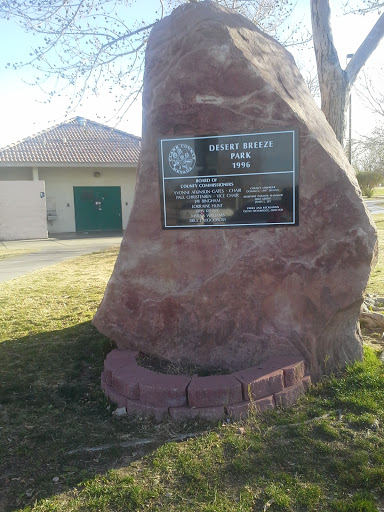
(97, 208)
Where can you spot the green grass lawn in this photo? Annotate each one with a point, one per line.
(325, 454)
(379, 192)
(376, 280)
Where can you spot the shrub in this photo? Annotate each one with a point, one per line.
(368, 181)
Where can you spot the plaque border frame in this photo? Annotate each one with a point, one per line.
(295, 188)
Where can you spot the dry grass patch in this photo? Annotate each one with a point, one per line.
(7, 254)
(56, 297)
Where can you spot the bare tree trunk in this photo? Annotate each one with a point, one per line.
(335, 96)
(334, 90)
(335, 83)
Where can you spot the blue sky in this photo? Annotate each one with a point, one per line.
(24, 110)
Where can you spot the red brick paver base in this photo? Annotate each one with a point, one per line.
(276, 382)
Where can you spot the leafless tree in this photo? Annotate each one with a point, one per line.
(369, 149)
(334, 81)
(370, 93)
(91, 45)
(87, 45)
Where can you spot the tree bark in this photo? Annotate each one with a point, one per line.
(334, 82)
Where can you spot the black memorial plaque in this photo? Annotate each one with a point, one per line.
(230, 180)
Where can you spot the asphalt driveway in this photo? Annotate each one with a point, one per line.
(52, 250)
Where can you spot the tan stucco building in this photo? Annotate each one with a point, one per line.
(78, 176)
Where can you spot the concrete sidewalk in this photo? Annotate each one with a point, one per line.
(52, 250)
(375, 206)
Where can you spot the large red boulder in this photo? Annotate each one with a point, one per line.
(233, 297)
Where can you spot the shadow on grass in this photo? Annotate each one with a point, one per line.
(51, 403)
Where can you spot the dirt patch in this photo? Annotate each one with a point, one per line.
(159, 365)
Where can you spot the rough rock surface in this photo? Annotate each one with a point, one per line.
(372, 313)
(234, 297)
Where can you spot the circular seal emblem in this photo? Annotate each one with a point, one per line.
(182, 158)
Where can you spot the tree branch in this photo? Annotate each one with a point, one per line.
(126, 36)
(373, 99)
(365, 50)
(372, 6)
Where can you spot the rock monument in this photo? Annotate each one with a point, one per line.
(248, 238)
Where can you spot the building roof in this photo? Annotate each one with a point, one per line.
(78, 141)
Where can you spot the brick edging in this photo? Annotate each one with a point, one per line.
(279, 381)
